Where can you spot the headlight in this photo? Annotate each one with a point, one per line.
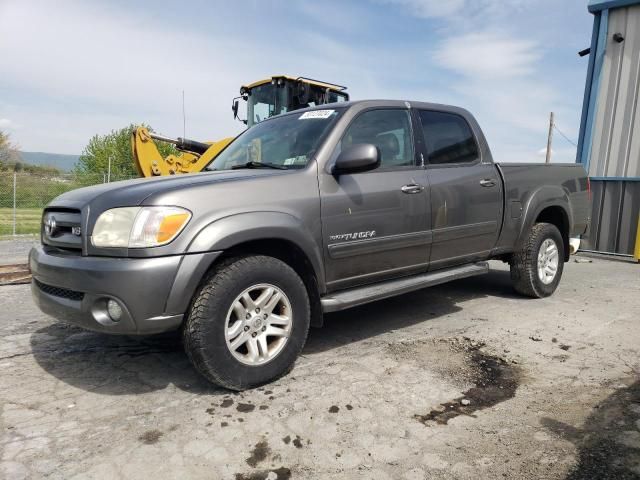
(139, 227)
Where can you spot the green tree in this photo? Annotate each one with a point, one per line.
(7, 150)
(4, 139)
(117, 146)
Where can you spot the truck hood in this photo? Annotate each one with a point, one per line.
(129, 193)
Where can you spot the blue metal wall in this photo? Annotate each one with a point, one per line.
(609, 141)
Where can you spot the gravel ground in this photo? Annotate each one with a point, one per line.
(16, 250)
(460, 381)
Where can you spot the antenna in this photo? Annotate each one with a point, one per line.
(184, 119)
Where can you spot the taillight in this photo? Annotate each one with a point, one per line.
(589, 188)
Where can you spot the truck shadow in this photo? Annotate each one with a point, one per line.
(380, 317)
(120, 365)
(114, 364)
(609, 443)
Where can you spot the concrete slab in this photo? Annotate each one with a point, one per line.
(408, 388)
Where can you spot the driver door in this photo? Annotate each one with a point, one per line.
(375, 224)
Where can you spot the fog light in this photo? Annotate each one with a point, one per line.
(114, 309)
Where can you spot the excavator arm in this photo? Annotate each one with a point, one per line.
(193, 157)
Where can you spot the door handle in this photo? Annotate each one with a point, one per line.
(412, 188)
(488, 182)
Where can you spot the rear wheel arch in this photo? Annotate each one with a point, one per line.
(548, 204)
(558, 216)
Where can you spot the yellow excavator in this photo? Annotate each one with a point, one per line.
(265, 98)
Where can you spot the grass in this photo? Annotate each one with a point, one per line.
(27, 220)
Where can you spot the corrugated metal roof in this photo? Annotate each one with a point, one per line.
(599, 5)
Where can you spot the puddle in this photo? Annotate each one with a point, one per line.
(494, 381)
(150, 437)
(282, 473)
(259, 453)
(245, 407)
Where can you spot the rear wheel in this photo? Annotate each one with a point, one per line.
(248, 322)
(537, 268)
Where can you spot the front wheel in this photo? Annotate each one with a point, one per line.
(537, 268)
(248, 322)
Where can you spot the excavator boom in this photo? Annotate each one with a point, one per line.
(194, 155)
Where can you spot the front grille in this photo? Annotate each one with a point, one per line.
(60, 292)
(61, 227)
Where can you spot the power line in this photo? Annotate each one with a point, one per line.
(565, 137)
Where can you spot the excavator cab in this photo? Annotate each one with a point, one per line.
(280, 94)
(265, 98)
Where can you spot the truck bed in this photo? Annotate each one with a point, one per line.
(560, 182)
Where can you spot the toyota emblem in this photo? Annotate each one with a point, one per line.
(50, 225)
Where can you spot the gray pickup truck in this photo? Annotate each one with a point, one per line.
(308, 212)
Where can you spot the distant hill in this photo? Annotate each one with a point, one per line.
(58, 160)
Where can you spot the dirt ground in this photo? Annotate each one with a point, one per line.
(462, 381)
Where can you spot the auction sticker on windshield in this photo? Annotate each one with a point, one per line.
(316, 114)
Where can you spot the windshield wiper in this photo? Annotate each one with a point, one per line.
(258, 165)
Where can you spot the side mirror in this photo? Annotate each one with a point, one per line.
(357, 158)
(234, 108)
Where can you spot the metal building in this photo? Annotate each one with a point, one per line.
(609, 142)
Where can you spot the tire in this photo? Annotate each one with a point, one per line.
(525, 274)
(216, 314)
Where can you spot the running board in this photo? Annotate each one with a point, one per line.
(371, 293)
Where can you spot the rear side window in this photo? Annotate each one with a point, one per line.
(387, 129)
(448, 137)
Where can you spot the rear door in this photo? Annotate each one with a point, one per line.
(465, 192)
(375, 224)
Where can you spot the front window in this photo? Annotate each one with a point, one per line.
(264, 102)
(387, 129)
(284, 142)
(335, 97)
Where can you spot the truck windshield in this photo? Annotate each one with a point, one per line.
(286, 142)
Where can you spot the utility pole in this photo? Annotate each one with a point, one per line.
(109, 171)
(549, 138)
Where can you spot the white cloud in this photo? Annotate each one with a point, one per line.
(488, 54)
(500, 80)
(429, 8)
(496, 72)
(459, 9)
(543, 152)
(5, 123)
(96, 61)
(100, 68)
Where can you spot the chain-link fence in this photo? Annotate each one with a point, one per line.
(24, 195)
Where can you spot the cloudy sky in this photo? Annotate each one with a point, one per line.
(71, 69)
